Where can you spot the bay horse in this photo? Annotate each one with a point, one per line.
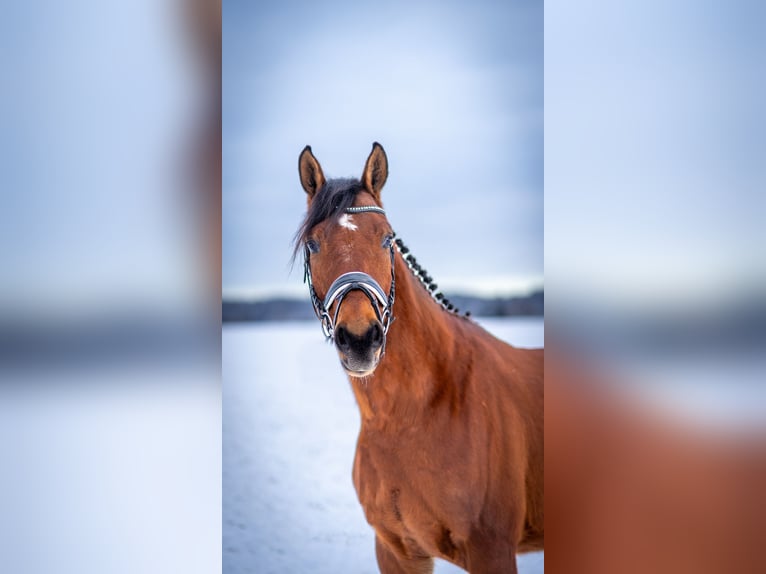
(449, 459)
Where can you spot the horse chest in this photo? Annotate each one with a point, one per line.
(408, 496)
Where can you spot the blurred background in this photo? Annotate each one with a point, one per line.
(110, 418)
(655, 271)
(655, 244)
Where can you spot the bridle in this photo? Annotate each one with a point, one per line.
(355, 280)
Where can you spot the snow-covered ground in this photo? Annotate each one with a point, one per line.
(290, 425)
(110, 470)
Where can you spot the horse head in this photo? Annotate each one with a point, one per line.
(348, 248)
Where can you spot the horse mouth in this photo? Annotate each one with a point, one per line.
(359, 374)
(359, 367)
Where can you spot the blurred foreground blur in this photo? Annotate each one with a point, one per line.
(655, 415)
(633, 484)
(110, 287)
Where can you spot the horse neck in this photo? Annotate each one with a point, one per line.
(421, 351)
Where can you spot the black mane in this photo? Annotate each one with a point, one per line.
(330, 201)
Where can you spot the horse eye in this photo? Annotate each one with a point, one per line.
(313, 246)
(387, 241)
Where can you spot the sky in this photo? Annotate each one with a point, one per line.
(453, 92)
(96, 128)
(654, 152)
(653, 143)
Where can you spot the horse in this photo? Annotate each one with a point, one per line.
(449, 458)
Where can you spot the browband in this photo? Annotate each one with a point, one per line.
(363, 208)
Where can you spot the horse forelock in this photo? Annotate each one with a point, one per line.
(330, 201)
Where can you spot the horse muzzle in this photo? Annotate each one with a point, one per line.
(360, 345)
(360, 352)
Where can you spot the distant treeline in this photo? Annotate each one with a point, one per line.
(280, 309)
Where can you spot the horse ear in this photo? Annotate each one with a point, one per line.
(375, 170)
(312, 178)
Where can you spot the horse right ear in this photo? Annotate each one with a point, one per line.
(312, 178)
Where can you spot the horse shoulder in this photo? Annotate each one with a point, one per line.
(507, 397)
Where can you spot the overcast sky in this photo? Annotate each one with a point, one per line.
(98, 117)
(654, 152)
(454, 93)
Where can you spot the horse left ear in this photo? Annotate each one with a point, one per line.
(375, 171)
(312, 178)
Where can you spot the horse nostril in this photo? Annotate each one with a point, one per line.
(341, 339)
(376, 335)
(347, 342)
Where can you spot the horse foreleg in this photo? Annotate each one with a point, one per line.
(491, 559)
(390, 562)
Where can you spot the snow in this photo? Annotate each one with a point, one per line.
(107, 471)
(290, 425)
